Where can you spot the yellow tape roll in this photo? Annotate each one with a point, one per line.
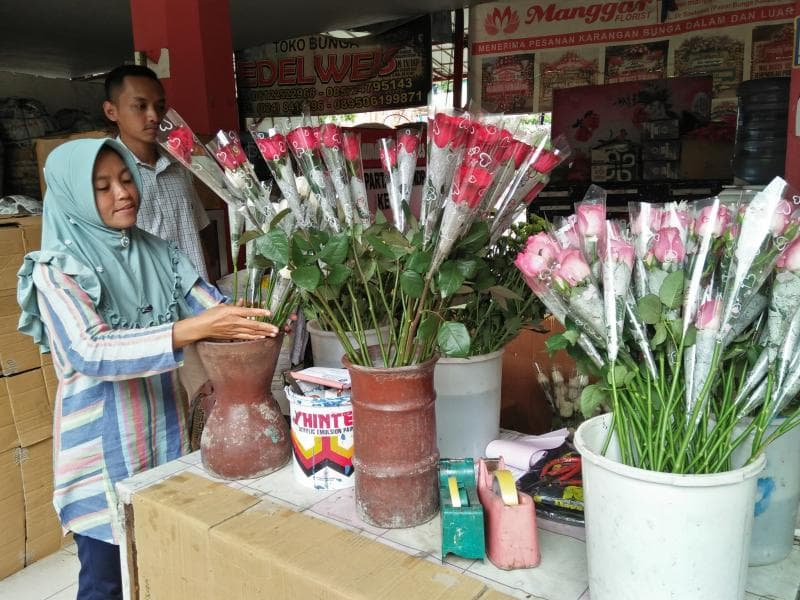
(455, 497)
(504, 486)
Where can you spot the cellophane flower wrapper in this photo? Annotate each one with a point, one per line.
(590, 223)
(702, 302)
(304, 143)
(351, 147)
(387, 150)
(241, 177)
(407, 143)
(537, 263)
(530, 179)
(769, 223)
(447, 135)
(282, 286)
(179, 141)
(275, 151)
(331, 147)
(616, 260)
(509, 154)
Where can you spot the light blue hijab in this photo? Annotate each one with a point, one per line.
(133, 278)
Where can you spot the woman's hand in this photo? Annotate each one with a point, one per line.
(223, 322)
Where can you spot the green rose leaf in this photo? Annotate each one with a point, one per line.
(419, 261)
(660, 335)
(650, 309)
(556, 342)
(250, 234)
(571, 335)
(453, 339)
(335, 251)
(380, 218)
(467, 267)
(427, 326)
(504, 292)
(279, 217)
(691, 336)
(671, 292)
(449, 279)
(412, 284)
(592, 397)
(368, 269)
(618, 374)
(338, 274)
(307, 277)
(274, 246)
(475, 239)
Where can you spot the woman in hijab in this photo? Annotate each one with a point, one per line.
(115, 306)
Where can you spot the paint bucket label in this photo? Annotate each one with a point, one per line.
(322, 441)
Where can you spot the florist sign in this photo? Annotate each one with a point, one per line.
(630, 38)
(332, 76)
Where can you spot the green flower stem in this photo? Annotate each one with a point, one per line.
(384, 349)
(412, 331)
(334, 322)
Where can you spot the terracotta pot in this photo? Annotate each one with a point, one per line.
(245, 434)
(394, 442)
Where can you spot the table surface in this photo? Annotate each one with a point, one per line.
(562, 574)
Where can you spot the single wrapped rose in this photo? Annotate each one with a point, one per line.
(230, 156)
(679, 218)
(591, 219)
(572, 269)
(470, 185)
(351, 145)
(537, 257)
(181, 142)
(408, 140)
(546, 161)
(621, 251)
(668, 246)
(388, 156)
(517, 151)
(780, 218)
(272, 148)
(542, 245)
(708, 316)
(446, 129)
(713, 221)
(485, 137)
(789, 259)
(304, 139)
(648, 219)
(504, 144)
(331, 135)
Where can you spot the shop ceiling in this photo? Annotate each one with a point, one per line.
(76, 38)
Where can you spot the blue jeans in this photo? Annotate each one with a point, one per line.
(100, 577)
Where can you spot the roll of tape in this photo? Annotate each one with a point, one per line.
(503, 485)
(455, 497)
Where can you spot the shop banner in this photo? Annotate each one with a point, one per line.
(573, 43)
(334, 76)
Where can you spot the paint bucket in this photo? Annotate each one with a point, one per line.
(322, 441)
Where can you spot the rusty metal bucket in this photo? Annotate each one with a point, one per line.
(394, 441)
(245, 434)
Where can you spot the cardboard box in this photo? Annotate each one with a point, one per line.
(18, 236)
(44, 146)
(18, 353)
(43, 534)
(12, 512)
(661, 150)
(33, 417)
(196, 539)
(701, 159)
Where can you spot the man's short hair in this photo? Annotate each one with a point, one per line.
(116, 78)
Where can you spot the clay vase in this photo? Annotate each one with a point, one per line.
(245, 434)
(395, 459)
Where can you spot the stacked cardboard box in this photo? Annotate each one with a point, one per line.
(195, 539)
(30, 525)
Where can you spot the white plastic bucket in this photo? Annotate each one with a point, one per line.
(322, 441)
(467, 404)
(327, 350)
(662, 536)
(777, 496)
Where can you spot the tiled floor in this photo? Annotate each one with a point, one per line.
(52, 578)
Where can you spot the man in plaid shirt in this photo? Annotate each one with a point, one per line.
(170, 207)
